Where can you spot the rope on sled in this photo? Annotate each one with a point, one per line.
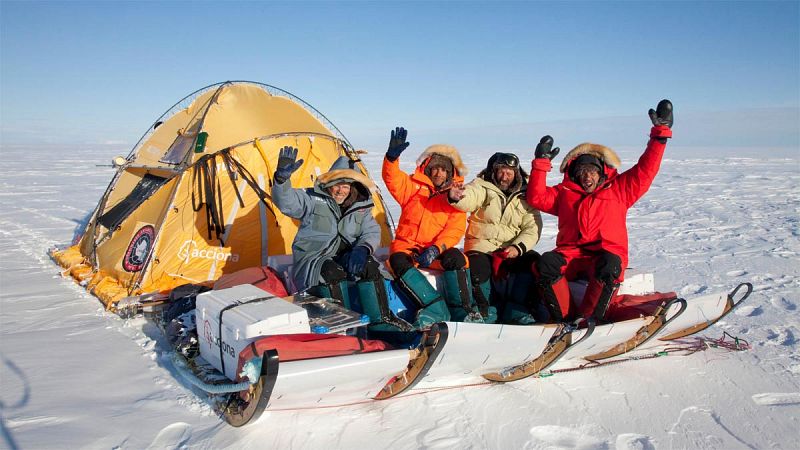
(684, 347)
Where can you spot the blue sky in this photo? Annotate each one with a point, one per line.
(490, 74)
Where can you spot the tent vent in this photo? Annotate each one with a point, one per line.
(146, 187)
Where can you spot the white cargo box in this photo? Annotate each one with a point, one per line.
(249, 313)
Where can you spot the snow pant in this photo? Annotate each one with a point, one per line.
(333, 277)
(481, 273)
(516, 296)
(553, 270)
(334, 283)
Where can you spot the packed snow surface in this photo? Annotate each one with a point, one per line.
(74, 376)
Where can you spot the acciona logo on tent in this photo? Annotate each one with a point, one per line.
(190, 250)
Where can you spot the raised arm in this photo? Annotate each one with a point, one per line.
(397, 182)
(635, 181)
(291, 202)
(539, 195)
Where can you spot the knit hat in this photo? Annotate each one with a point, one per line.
(585, 159)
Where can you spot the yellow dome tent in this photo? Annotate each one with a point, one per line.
(191, 202)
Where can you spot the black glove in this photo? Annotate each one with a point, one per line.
(357, 260)
(397, 144)
(427, 256)
(286, 164)
(544, 149)
(663, 114)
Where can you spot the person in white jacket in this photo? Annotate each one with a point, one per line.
(501, 231)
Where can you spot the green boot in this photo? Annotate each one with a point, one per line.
(432, 308)
(375, 304)
(458, 294)
(482, 292)
(337, 291)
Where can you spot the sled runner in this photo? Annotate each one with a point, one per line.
(249, 405)
(300, 370)
(566, 336)
(704, 312)
(421, 361)
(665, 314)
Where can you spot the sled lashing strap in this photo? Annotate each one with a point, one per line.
(231, 306)
(295, 347)
(626, 307)
(148, 185)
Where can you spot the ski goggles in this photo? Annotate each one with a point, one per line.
(506, 159)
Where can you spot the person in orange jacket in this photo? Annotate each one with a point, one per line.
(591, 203)
(428, 230)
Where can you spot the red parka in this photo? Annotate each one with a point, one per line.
(427, 217)
(596, 221)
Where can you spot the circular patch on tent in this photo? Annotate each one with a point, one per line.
(138, 249)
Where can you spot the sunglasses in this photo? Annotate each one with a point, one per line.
(506, 159)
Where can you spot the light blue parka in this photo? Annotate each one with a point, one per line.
(324, 227)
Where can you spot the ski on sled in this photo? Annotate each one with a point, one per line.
(704, 312)
(568, 335)
(431, 345)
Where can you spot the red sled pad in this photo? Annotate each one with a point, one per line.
(626, 307)
(294, 347)
(265, 278)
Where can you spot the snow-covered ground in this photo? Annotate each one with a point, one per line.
(74, 376)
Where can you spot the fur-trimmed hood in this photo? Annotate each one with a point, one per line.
(343, 170)
(448, 151)
(348, 175)
(608, 156)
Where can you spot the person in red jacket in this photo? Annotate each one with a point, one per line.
(428, 231)
(591, 203)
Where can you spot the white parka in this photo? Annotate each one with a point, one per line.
(498, 220)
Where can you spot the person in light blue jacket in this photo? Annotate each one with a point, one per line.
(337, 236)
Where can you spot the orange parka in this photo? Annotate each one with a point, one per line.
(427, 217)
